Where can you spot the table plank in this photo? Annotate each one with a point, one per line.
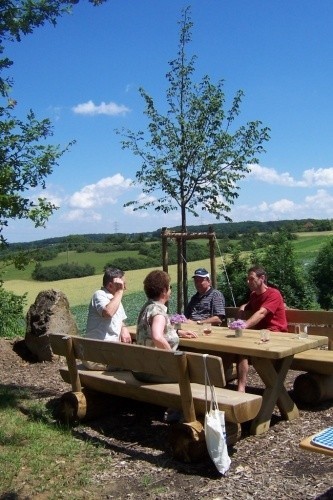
(279, 346)
(271, 360)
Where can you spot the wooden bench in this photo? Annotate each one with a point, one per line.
(187, 394)
(317, 384)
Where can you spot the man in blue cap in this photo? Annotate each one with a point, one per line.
(207, 305)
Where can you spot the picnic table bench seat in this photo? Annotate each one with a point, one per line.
(317, 383)
(187, 393)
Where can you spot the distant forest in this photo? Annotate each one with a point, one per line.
(225, 229)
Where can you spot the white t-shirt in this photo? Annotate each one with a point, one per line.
(99, 327)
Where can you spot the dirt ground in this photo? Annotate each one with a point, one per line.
(262, 467)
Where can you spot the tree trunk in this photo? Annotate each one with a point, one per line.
(184, 256)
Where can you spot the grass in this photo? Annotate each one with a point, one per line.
(305, 242)
(39, 455)
(79, 290)
(97, 260)
(132, 304)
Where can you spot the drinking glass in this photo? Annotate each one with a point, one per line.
(229, 321)
(264, 335)
(207, 328)
(304, 332)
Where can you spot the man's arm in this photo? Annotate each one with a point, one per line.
(112, 307)
(218, 308)
(256, 318)
(212, 320)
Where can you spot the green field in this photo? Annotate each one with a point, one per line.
(97, 260)
(79, 290)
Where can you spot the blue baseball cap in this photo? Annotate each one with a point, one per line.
(201, 273)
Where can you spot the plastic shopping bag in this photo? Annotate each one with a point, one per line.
(215, 439)
(215, 434)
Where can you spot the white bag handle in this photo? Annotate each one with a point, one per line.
(213, 400)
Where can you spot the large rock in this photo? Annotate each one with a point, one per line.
(50, 313)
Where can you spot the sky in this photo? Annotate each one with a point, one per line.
(85, 74)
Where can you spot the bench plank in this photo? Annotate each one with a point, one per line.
(238, 407)
(187, 394)
(140, 358)
(315, 361)
(185, 368)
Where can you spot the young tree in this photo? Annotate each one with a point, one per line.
(322, 274)
(25, 160)
(192, 154)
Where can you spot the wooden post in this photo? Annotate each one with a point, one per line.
(185, 387)
(165, 249)
(187, 439)
(182, 278)
(179, 276)
(72, 367)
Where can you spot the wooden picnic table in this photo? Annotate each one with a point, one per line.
(271, 360)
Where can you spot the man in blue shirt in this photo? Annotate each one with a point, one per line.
(207, 305)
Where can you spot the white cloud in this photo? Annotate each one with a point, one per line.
(281, 206)
(310, 178)
(322, 202)
(320, 177)
(317, 206)
(51, 197)
(110, 109)
(271, 176)
(142, 198)
(82, 215)
(104, 192)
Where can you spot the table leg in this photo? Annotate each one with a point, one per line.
(273, 374)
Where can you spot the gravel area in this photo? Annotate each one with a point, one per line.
(262, 467)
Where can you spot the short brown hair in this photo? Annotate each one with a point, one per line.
(110, 273)
(259, 271)
(155, 283)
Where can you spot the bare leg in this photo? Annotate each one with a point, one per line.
(242, 370)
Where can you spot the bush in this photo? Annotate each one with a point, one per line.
(12, 323)
(47, 253)
(61, 272)
(322, 274)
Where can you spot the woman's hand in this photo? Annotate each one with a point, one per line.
(125, 336)
(187, 334)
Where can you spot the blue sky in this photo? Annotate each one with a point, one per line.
(85, 73)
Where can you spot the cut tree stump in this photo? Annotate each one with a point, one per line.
(80, 406)
(312, 388)
(188, 442)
